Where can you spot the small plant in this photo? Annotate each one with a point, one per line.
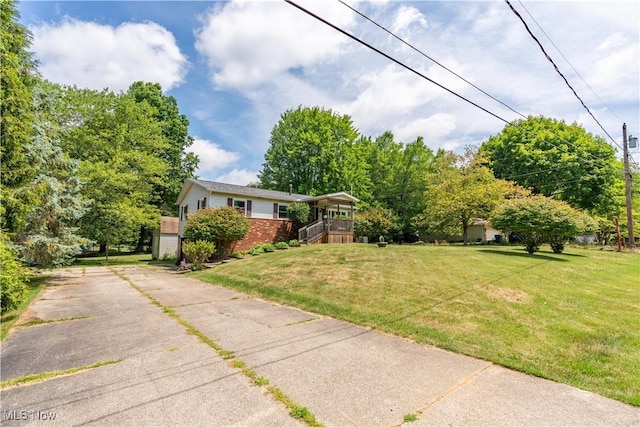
(237, 255)
(197, 252)
(299, 412)
(409, 418)
(268, 247)
(260, 381)
(239, 364)
(256, 250)
(282, 245)
(294, 243)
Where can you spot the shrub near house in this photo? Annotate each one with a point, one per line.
(221, 226)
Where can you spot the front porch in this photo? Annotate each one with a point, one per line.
(333, 216)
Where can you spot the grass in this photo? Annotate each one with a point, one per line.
(28, 379)
(8, 319)
(120, 259)
(572, 317)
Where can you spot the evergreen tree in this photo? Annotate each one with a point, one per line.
(18, 75)
(49, 237)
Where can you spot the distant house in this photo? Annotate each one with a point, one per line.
(480, 231)
(266, 211)
(165, 239)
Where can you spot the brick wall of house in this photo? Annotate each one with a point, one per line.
(265, 231)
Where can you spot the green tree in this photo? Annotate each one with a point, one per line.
(175, 131)
(314, 150)
(222, 226)
(118, 142)
(460, 190)
(375, 222)
(49, 237)
(13, 275)
(299, 214)
(555, 159)
(397, 179)
(18, 76)
(539, 219)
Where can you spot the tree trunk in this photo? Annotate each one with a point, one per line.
(141, 237)
(465, 226)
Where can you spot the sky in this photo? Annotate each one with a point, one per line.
(235, 67)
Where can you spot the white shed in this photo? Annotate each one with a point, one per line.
(165, 239)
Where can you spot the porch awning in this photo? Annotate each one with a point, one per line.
(332, 199)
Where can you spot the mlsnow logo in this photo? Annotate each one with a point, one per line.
(23, 415)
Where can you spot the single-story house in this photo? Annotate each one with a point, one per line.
(479, 231)
(266, 211)
(165, 239)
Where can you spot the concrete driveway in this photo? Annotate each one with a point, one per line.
(138, 318)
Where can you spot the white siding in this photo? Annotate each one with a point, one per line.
(260, 208)
(191, 200)
(168, 246)
(164, 244)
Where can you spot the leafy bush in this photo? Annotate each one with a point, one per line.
(539, 219)
(40, 250)
(13, 276)
(197, 252)
(223, 226)
(282, 245)
(256, 250)
(374, 223)
(268, 247)
(294, 243)
(299, 214)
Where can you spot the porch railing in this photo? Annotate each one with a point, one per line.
(339, 224)
(311, 232)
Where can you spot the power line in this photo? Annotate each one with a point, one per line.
(362, 42)
(422, 75)
(557, 69)
(430, 58)
(568, 62)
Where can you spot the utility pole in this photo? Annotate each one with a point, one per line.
(627, 186)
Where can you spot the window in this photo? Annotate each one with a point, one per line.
(282, 212)
(202, 203)
(183, 212)
(241, 205)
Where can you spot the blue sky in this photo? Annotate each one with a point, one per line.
(236, 66)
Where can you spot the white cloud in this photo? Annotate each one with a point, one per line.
(239, 177)
(406, 17)
(97, 56)
(248, 43)
(433, 129)
(213, 158)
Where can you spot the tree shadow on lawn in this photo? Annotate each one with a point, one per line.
(537, 255)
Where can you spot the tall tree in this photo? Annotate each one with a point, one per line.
(117, 141)
(397, 173)
(315, 151)
(555, 159)
(18, 76)
(175, 130)
(461, 189)
(50, 235)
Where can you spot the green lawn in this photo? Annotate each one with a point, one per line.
(8, 319)
(120, 259)
(572, 317)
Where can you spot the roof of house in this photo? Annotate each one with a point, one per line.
(241, 190)
(169, 225)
